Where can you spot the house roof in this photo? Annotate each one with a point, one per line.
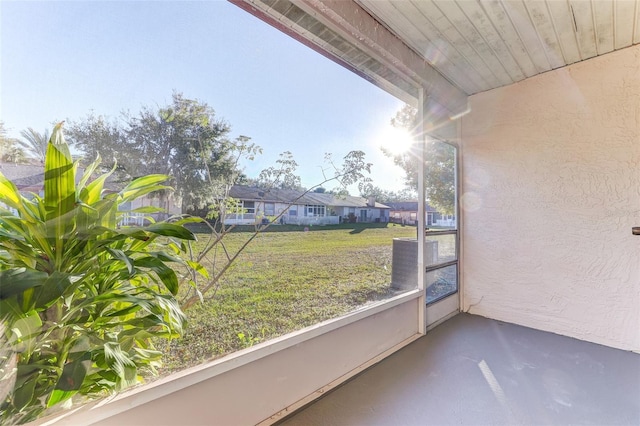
(30, 177)
(274, 195)
(26, 177)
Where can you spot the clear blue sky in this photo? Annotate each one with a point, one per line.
(61, 60)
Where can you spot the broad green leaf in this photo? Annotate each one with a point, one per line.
(71, 379)
(53, 288)
(149, 353)
(91, 194)
(167, 275)
(23, 395)
(190, 219)
(115, 234)
(171, 230)
(139, 192)
(148, 180)
(10, 310)
(9, 193)
(83, 344)
(198, 268)
(120, 255)
(59, 190)
(24, 332)
(120, 362)
(145, 209)
(165, 257)
(16, 281)
(59, 178)
(88, 172)
(123, 312)
(57, 396)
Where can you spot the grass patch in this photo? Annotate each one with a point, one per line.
(285, 281)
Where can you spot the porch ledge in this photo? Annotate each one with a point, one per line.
(96, 411)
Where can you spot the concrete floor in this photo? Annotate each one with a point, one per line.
(475, 371)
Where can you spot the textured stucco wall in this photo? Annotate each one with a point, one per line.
(550, 191)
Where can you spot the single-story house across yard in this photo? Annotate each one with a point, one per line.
(406, 213)
(286, 206)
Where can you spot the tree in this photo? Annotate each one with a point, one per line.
(282, 175)
(440, 188)
(35, 143)
(98, 136)
(10, 151)
(384, 196)
(183, 140)
(353, 171)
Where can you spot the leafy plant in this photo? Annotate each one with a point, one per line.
(81, 297)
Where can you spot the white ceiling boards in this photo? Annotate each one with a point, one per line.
(476, 45)
(482, 44)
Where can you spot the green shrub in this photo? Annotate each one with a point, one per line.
(80, 297)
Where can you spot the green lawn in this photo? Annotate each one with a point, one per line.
(285, 281)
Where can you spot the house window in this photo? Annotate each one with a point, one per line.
(269, 209)
(315, 211)
(248, 207)
(293, 211)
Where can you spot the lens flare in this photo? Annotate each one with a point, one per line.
(396, 140)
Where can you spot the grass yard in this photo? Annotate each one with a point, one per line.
(285, 281)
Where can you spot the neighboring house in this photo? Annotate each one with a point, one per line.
(299, 208)
(406, 213)
(29, 179)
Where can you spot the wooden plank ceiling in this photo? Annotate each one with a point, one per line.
(483, 44)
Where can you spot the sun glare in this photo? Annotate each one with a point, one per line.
(396, 141)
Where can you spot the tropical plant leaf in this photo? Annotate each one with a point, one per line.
(198, 268)
(145, 209)
(16, 281)
(24, 331)
(23, 395)
(9, 193)
(73, 374)
(148, 180)
(139, 192)
(167, 275)
(57, 396)
(88, 172)
(186, 220)
(165, 257)
(93, 192)
(59, 177)
(53, 288)
(120, 363)
(171, 230)
(120, 255)
(118, 234)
